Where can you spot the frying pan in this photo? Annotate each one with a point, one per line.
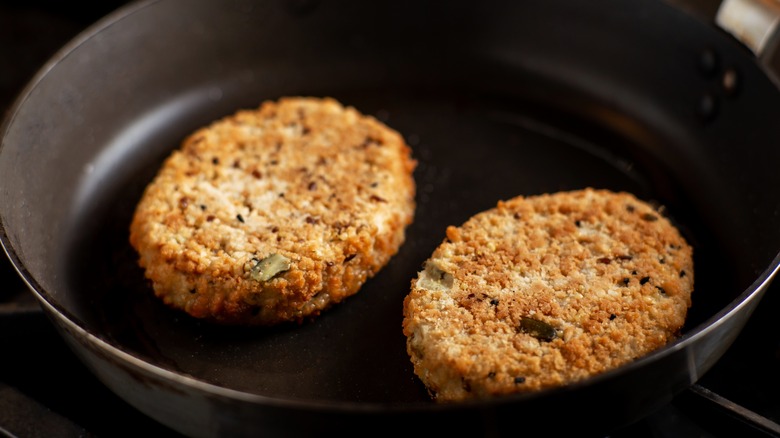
(497, 100)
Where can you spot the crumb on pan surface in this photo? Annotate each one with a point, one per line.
(546, 290)
(274, 214)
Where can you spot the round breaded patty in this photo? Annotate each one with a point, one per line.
(546, 290)
(275, 214)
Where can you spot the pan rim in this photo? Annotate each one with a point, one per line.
(756, 288)
(63, 52)
(752, 292)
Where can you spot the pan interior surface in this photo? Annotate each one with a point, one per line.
(472, 151)
(490, 111)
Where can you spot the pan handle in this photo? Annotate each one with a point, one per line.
(754, 23)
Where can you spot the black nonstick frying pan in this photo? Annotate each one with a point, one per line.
(497, 99)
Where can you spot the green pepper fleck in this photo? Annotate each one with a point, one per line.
(538, 329)
(270, 267)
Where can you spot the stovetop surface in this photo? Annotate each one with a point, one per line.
(46, 391)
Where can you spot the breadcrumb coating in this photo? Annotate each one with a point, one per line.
(543, 291)
(274, 214)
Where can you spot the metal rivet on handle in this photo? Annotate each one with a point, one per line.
(708, 62)
(730, 82)
(708, 107)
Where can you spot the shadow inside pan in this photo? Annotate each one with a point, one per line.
(473, 149)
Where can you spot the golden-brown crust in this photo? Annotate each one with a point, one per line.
(325, 187)
(546, 290)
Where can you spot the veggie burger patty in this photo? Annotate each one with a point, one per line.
(273, 215)
(546, 290)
